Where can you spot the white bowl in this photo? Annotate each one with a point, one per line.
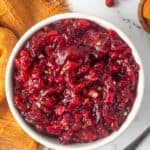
(51, 142)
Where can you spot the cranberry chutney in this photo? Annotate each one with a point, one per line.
(75, 80)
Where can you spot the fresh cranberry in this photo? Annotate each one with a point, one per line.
(75, 80)
(109, 3)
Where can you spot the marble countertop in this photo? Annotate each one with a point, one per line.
(124, 16)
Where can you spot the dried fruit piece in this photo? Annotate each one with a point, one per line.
(86, 101)
(146, 9)
(93, 93)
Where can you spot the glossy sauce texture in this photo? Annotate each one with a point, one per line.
(75, 80)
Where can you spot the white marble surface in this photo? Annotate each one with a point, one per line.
(124, 16)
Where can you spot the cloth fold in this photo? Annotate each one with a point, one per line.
(19, 15)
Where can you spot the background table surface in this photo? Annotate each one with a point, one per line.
(124, 16)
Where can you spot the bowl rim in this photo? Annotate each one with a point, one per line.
(47, 141)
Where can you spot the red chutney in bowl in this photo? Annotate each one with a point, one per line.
(75, 80)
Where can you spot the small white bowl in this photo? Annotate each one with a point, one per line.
(49, 141)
